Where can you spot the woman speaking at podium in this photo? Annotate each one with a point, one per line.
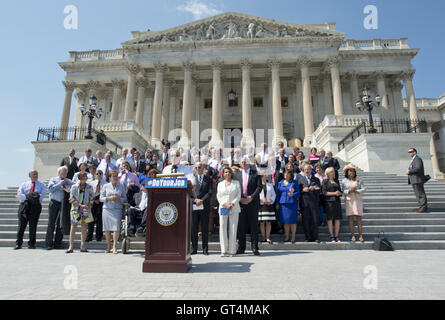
(228, 195)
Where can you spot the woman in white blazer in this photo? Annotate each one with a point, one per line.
(228, 195)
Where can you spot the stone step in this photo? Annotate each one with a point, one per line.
(214, 247)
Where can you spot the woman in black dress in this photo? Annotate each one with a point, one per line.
(332, 194)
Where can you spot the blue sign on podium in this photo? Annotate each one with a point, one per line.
(172, 183)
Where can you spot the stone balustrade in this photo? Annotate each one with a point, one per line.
(375, 44)
(427, 102)
(96, 55)
(122, 125)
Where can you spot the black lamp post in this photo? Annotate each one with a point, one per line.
(368, 104)
(92, 112)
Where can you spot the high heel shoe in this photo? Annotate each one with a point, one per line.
(361, 239)
(69, 251)
(269, 241)
(353, 238)
(333, 239)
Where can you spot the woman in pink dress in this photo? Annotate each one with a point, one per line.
(353, 188)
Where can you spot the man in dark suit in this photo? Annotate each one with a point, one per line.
(251, 187)
(310, 193)
(164, 156)
(331, 162)
(201, 209)
(416, 177)
(65, 219)
(280, 167)
(71, 163)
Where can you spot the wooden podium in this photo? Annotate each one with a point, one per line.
(167, 245)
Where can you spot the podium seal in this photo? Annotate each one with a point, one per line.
(166, 214)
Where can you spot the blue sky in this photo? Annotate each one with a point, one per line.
(34, 40)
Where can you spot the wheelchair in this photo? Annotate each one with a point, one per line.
(125, 239)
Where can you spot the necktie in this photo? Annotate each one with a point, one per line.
(245, 178)
(174, 169)
(200, 179)
(98, 187)
(33, 187)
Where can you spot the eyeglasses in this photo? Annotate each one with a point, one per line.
(99, 174)
(410, 151)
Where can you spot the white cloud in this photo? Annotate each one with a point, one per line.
(199, 9)
(24, 150)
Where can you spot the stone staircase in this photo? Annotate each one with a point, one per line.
(389, 208)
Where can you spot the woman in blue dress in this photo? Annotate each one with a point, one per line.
(287, 203)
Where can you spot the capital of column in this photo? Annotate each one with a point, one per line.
(245, 64)
(160, 67)
(304, 61)
(273, 63)
(93, 85)
(118, 84)
(188, 66)
(333, 62)
(134, 69)
(350, 76)
(217, 64)
(195, 80)
(69, 85)
(142, 83)
(407, 75)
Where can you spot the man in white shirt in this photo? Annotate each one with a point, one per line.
(88, 159)
(263, 156)
(176, 167)
(123, 158)
(281, 146)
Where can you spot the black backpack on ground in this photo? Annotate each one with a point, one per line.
(381, 243)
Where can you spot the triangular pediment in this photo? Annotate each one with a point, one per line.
(232, 25)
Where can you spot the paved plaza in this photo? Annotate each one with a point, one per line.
(38, 274)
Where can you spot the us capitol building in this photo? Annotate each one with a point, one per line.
(240, 73)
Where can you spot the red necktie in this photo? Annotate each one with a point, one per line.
(33, 187)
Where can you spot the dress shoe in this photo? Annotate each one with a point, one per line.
(422, 210)
(32, 246)
(239, 251)
(17, 247)
(58, 247)
(256, 252)
(194, 252)
(206, 253)
(84, 250)
(130, 233)
(317, 241)
(49, 248)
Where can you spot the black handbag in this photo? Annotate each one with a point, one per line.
(381, 243)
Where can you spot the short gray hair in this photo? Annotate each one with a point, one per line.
(61, 169)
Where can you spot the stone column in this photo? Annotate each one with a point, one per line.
(148, 114)
(80, 99)
(398, 99)
(187, 104)
(117, 98)
(327, 95)
(381, 89)
(217, 115)
(304, 63)
(298, 111)
(157, 105)
(410, 97)
(64, 122)
(334, 64)
(248, 135)
(131, 88)
(141, 84)
(165, 125)
(355, 94)
(277, 114)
